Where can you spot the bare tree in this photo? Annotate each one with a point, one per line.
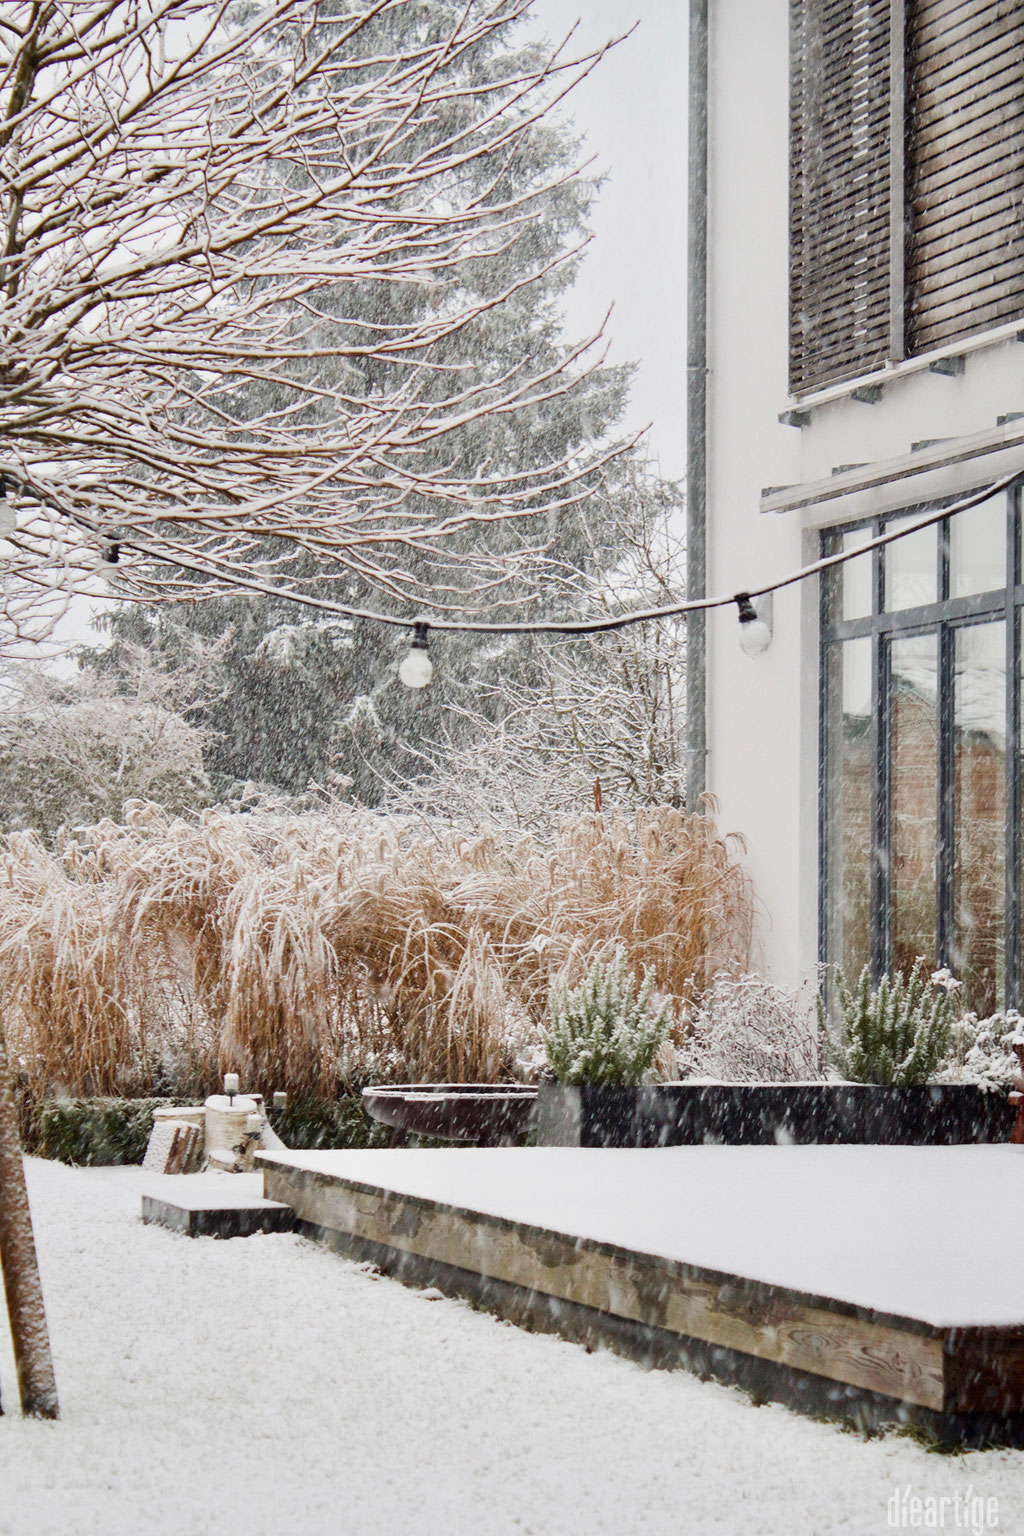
(595, 722)
(188, 191)
(33, 1362)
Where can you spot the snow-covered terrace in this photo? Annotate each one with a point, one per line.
(893, 1271)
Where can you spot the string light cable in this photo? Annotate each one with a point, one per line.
(183, 559)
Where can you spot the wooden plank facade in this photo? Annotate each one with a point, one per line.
(906, 179)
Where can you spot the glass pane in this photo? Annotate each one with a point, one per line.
(977, 549)
(913, 768)
(849, 808)
(979, 815)
(911, 566)
(858, 576)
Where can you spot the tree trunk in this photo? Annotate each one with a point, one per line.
(36, 1382)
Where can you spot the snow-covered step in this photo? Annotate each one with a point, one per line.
(214, 1205)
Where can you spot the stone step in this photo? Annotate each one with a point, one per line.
(202, 1205)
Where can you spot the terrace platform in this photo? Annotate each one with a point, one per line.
(879, 1282)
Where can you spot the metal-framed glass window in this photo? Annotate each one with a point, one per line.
(920, 841)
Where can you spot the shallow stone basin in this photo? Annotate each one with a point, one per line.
(491, 1114)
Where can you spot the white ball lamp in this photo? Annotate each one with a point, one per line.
(416, 669)
(755, 615)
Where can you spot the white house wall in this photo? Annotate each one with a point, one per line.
(763, 711)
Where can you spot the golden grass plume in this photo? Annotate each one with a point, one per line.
(319, 952)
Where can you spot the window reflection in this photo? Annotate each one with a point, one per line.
(911, 570)
(849, 810)
(913, 770)
(979, 814)
(858, 576)
(977, 549)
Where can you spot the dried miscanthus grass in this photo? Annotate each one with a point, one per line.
(317, 952)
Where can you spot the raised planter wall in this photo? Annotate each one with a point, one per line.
(759, 1114)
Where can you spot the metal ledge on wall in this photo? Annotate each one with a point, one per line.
(951, 367)
(865, 477)
(949, 360)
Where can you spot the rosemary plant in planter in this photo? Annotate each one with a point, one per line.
(604, 1031)
(896, 1035)
(601, 1042)
(895, 1045)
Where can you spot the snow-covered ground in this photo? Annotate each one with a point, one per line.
(265, 1385)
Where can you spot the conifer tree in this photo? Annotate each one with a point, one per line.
(312, 701)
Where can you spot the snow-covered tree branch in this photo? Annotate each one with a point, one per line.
(588, 723)
(196, 200)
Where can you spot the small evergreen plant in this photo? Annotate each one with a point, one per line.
(604, 1031)
(897, 1034)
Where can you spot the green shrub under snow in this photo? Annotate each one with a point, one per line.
(311, 1124)
(604, 1031)
(93, 1133)
(898, 1033)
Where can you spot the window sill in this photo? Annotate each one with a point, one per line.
(870, 387)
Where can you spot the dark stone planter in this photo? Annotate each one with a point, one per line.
(762, 1114)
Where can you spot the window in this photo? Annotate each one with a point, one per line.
(907, 179)
(921, 688)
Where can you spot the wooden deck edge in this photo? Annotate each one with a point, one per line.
(902, 1360)
(657, 1349)
(984, 1370)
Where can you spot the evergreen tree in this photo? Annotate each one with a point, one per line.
(318, 701)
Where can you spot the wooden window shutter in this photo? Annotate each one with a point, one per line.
(965, 266)
(839, 190)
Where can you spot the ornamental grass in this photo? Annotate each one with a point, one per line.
(317, 953)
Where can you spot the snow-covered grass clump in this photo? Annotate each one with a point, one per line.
(318, 952)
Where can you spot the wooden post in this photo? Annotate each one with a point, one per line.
(36, 1382)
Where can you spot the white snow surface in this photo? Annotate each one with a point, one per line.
(931, 1233)
(266, 1387)
(212, 1191)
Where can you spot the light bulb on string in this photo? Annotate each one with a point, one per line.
(109, 562)
(755, 631)
(416, 669)
(102, 560)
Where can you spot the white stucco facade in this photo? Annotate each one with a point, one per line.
(763, 712)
